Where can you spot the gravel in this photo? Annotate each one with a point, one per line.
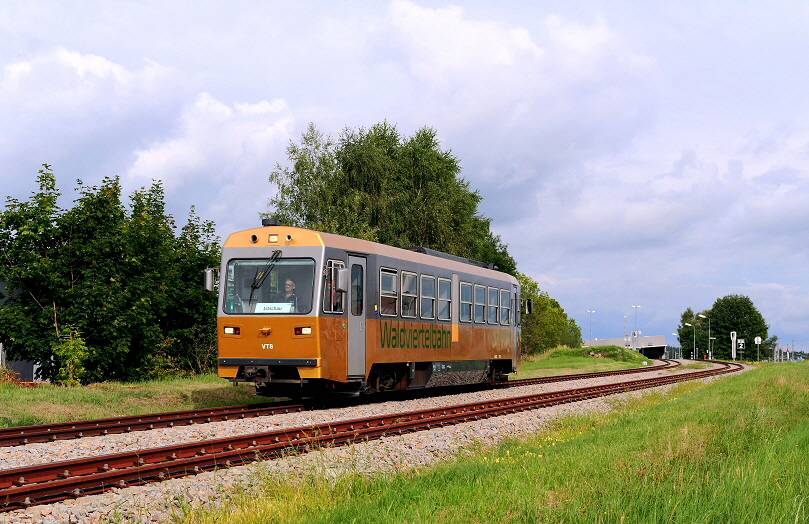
(160, 502)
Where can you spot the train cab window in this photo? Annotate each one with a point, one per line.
(505, 307)
(466, 302)
(356, 290)
(332, 299)
(480, 304)
(409, 294)
(494, 302)
(269, 286)
(388, 295)
(444, 298)
(427, 296)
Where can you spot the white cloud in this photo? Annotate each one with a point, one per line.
(442, 42)
(81, 113)
(214, 141)
(68, 82)
(92, 65)
(228, 150)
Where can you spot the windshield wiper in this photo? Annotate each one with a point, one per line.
(261, 276)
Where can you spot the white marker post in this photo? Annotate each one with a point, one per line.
(758, 349)
(733, 344)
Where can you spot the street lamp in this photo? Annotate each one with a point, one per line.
(681, 346)
(635, 333)
(709, 334)
(591, 326)
(694, 350)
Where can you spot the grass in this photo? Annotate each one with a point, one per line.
(564, 361)
(48, 404)
(731, 451)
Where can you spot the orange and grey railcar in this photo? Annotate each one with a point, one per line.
(362, 316)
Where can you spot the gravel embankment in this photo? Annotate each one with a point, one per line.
(158, 502)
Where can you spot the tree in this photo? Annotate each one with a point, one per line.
(377, 185)
(548, 326)
(120, 278)
(730, 313)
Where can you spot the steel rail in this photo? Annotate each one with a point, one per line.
(45, 483)
(668, 364)
(22, 435)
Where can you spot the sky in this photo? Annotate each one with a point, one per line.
(630, 153)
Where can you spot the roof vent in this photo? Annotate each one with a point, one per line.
(270, 222)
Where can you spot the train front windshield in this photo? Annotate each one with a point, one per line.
(268, 287)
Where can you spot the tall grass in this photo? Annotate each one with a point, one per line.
(732, 451)
(49, 404)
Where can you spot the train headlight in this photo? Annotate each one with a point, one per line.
(303, 331)
(232, 330)
(273, 239)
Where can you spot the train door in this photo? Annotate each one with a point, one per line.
(356, 317)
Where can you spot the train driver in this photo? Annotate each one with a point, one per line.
(288, 294)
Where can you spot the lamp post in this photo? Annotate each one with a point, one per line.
(709, 333)
(694, 350)
(635, 333)
(591, 326)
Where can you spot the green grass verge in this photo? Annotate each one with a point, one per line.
(732, 451)
(564, 361)
(48, 404)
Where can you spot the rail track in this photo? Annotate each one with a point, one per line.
(22, 435)
(667, 364)
(47, 483)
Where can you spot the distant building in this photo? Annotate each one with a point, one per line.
(652, 347)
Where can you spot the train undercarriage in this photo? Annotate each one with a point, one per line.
(285, 381)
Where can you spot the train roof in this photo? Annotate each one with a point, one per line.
(441, 254)
(278, 236)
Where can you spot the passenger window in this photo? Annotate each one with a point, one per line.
(466, 302)
(493, 305)
(388, 296)
(505, 307)
(356, 290)
(444, 298)
(480, 304)
(332, 299)
(409, 294)
(427, 296)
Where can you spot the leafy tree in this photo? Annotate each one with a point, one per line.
(377, 185)
(120, 278)
(730, 313)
